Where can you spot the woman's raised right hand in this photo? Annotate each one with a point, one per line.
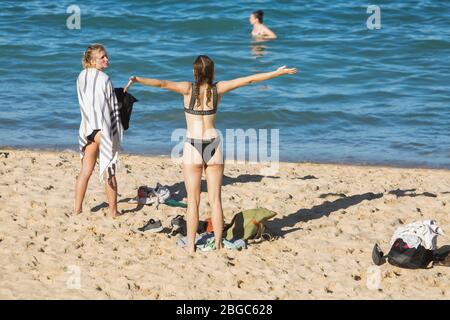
(131, 80)
(285, 70)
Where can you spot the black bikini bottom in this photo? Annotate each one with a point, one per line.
(91, 137)
(206, 148)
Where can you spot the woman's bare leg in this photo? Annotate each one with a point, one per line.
(192, 181)
(87, 166)
(214, 174)
(192, 169)
(111, 195)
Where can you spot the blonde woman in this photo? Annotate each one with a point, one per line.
(100, 131)
(203, 147)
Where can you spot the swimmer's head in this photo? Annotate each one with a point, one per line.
(257, 16)
(95, 56)
(203, 70)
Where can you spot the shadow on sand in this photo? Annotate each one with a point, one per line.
(178, 190)
(327, 207)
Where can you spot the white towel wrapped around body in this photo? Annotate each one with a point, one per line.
(99, 111)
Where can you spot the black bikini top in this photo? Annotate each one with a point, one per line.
(202, 112)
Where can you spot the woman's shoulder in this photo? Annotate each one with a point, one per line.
(82, 72)
(268, 30)
(103, 76)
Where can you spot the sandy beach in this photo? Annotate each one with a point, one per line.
(329, 217)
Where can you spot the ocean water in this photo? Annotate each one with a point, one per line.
(376, 96)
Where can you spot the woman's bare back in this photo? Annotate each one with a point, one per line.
(201, 126)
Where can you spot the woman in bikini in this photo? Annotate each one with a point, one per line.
(260, 31)
(203, 147)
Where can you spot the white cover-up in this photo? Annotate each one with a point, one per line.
(99, 111)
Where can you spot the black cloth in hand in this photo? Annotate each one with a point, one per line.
(126, 101)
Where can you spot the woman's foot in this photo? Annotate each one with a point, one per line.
(115, 214)
(190, 251)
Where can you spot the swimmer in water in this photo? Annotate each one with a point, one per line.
(260, 31)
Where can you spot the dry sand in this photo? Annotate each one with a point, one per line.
(329, 218)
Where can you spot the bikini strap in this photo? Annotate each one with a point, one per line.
(215, 96)
(202, 112)
(192, 102)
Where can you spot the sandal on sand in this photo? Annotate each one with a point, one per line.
(210, 244)
(162, 193)
(147, 195)
(153, 225)
(144, 198)
(200, 240)
(147, 200)
(177, 221)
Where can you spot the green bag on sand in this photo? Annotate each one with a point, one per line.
(248, 224)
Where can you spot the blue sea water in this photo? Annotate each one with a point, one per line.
(376, 96)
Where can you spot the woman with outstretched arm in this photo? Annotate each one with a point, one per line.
(203, 148)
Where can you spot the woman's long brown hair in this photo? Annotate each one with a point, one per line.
(203, 73)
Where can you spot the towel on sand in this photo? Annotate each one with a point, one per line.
(420, 232)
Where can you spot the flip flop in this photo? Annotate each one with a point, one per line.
(210, 245)
(182, 242)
